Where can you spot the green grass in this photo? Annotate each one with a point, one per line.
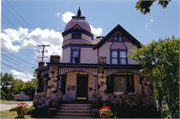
(11, 115)
(13, 102)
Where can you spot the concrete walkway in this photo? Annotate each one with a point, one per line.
(9, 106)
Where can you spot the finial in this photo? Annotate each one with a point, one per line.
(79, 12)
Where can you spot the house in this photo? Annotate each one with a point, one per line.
(91, 66)
(21, 96)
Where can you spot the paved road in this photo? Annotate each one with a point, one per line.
(8, 107)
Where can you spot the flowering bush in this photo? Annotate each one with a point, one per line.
(22, 105)
(104, 107)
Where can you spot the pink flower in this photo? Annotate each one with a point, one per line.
(104, 107)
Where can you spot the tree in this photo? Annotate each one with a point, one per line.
(6, 81)
(144, 6)
(17, 86)
(161, 61)
(29, 88)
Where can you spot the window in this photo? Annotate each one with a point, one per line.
(114, 57)
(75, 55)
(122, 57)
(76, 36)
(117, 39)
(118, 57)
(120, 84)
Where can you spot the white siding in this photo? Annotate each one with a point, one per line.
(130, 46)
(104, 51)
(88, 55)
(66, 37)
(66, 55)
(86, 37)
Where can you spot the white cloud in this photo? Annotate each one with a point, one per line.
(96, 31)
(66, 17)
(25, 76)
(151, 20)
(58, 14)
(7, 43)
(149, 23)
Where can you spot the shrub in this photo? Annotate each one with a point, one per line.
(13, 108)
(32, 110)
(42, 111)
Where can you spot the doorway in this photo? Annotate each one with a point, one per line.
(82, 87)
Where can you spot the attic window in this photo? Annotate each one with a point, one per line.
(76, 36)
(117, 39)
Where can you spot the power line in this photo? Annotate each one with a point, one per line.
(12, 14)
(17, 64)
(19, 14)
(17, 57)
(8, 20)
(10, 66)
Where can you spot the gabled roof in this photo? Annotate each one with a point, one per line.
(124, 32)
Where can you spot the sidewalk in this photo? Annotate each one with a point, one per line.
(8, 107)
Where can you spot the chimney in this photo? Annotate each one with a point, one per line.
(55, 58)
(41, 64)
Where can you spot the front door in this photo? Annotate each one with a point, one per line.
(82, 87)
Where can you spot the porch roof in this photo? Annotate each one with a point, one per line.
(83, 65)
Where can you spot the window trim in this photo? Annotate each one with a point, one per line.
(118, 56)
(72, 55)
(118, 39)
(76, 34)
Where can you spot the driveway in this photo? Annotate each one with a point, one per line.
(9, 106)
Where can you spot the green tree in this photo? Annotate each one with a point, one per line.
(161, 61)
(29, 88)
(6, 82)
(17, 86)
(144, 5)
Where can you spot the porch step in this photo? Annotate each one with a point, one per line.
(72, 117)
(74, 114)
(76, 105)
(75, 108)
(74, 111)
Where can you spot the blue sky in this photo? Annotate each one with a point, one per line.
(44, 21)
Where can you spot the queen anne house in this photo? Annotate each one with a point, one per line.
(90, 66)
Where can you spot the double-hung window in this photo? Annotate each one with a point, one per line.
(114, 58)
(118, 57)
(122, 57)
(75, 55)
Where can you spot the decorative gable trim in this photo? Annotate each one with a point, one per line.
(121, 30)
(76, 27)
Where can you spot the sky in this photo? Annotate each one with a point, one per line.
(28, 23)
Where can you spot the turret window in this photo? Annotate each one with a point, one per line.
(75, 55)
(76, 36)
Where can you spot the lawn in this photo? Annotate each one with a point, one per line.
(13, 102)
(11, 115)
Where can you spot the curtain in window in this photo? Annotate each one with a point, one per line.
(120, 84)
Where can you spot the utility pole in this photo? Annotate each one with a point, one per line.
(43, 51)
